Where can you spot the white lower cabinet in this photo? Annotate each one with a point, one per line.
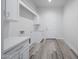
(20, 52)
(16, 56)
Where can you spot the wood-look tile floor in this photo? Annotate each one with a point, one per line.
(52, 49)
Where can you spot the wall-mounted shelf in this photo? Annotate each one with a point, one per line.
(23, 4)
(15, 19)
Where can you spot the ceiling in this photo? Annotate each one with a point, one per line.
(54, 3)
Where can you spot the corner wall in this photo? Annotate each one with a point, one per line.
(71, 25)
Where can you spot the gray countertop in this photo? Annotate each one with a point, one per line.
(13, 41)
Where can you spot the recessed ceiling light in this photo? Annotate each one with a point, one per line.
(50, 0)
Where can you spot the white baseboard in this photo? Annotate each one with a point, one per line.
(71, 47)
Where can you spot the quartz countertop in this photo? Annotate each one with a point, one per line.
(13, 41)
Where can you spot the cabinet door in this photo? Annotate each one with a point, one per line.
(4, 57)
(16, 56)
(25, 54)
(11, 8)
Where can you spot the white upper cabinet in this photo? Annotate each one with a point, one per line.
(12, 9)
(17, 9)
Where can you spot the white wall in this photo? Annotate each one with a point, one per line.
(23, 24)
(70, 25)
(51, 22)
(4, 24)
